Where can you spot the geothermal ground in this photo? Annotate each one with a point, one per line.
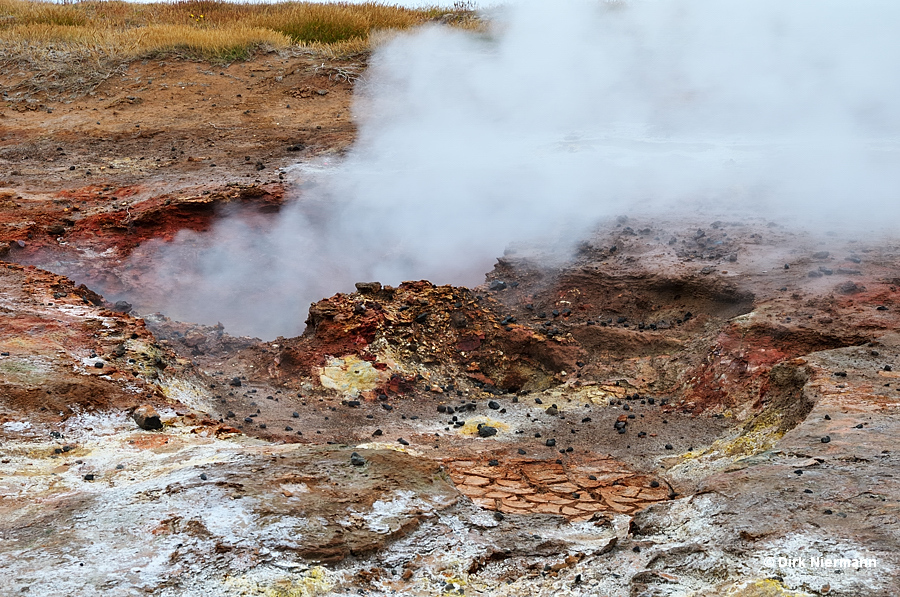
(689, 406)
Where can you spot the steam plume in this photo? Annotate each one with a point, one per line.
(564, 113)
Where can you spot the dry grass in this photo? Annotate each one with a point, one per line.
(53, 51)
(201, 28)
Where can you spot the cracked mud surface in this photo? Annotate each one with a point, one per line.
(682, 400)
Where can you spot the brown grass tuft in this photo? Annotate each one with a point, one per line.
(65, 50)
(209, 29)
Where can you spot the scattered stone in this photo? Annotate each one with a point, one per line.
(553, 410)
(494, 405)
(122, 307)
(147, 418)
(235, 382)
(550, 443)
(295, 415)
(377, 433)
(368, 287)
(669, 447)
(493, 462)
(203, 476)
(89, 477)
(486, 431)
(357, 460)
(826, 439)
(402, 442)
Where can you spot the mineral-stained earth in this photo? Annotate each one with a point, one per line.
(688, 406)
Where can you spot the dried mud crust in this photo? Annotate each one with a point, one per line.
(580, 491)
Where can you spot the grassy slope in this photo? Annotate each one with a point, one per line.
(202, 28)
(56, 51)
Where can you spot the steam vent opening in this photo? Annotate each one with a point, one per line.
(430, 312)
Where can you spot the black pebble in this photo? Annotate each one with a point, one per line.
(288, 428)
(493, 405)
(203, 476)
(550, 443)
(377, 432)
(486, 431)
(89, 477)
(826, 439)
(521, 451)
(295, 415)
(669, 447)
(493, 462)
(402, 442)
(654, 484)
(387, 407)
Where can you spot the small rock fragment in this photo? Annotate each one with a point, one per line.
(147, 418)
(486, 431)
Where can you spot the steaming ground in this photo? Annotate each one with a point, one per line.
(564, 114)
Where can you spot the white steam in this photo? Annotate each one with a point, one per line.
(565, 113)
